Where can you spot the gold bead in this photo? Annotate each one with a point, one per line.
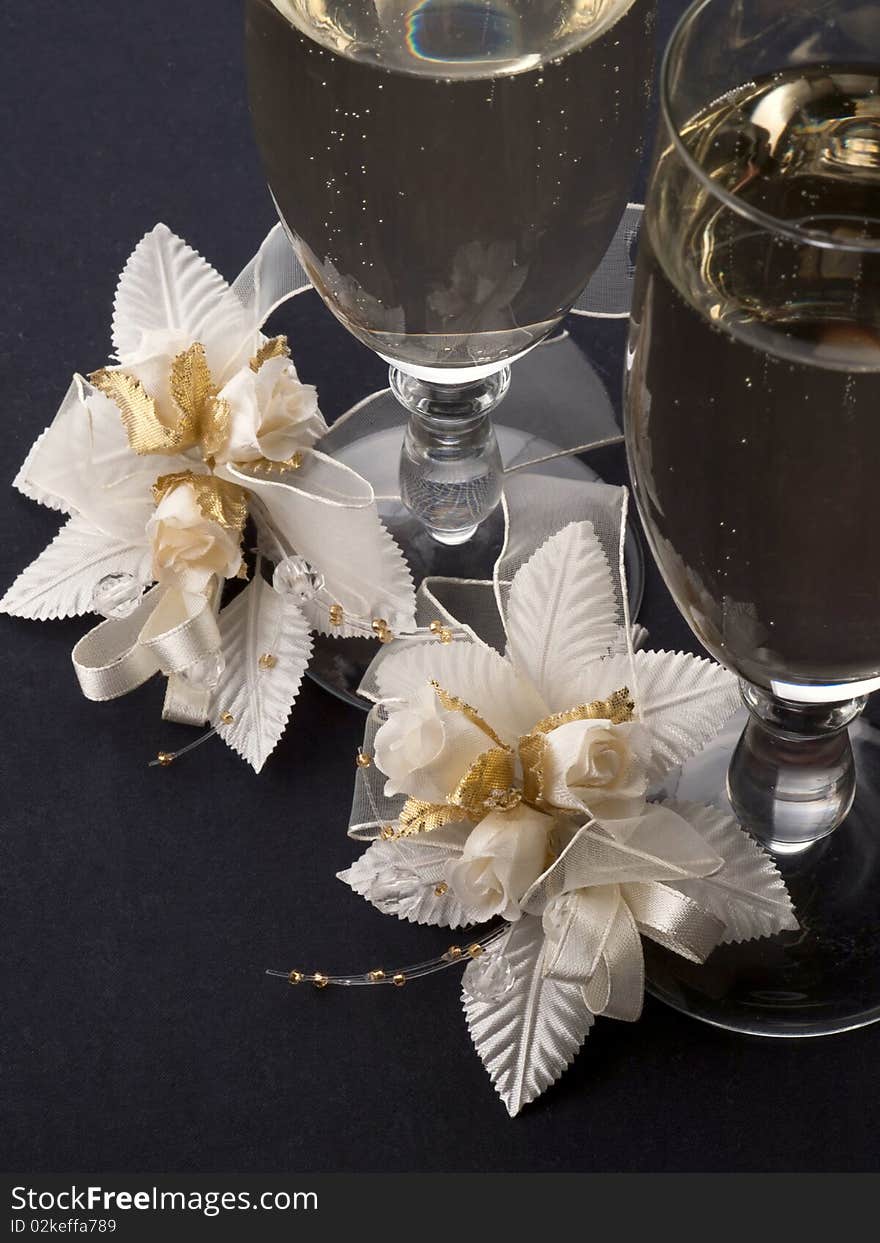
(320, 981)
(445, 635)
(454, 951)
(363, 760)
(336, 614)
(475, 950)
(440, 889)
(295, 977)
(387, 832)
(295, 461)
(399, 979)
(165, 758)
(382, 630)
(267, 661)
(227, 718)
(436, 626)
(377, 975)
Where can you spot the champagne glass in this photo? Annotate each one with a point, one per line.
(753, 432)
(450, 174)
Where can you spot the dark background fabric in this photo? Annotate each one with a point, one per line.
(141, 905)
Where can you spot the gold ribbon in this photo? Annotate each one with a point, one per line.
(218, 501)
(488, 784)
(453, 704)
(202, 418)
(617, 709)
(277, 347)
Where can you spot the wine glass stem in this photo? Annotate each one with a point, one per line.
(792, 778)
(450, 466)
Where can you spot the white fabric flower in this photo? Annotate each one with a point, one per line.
(597, 766)
(272, 413)
(424, 750)
(502, 858)
(189, 548)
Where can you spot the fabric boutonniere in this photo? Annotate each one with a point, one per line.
(526, 785)
(159, 459)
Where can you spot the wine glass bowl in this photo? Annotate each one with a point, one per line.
(450, 174)
(756, 368)
(753, 385)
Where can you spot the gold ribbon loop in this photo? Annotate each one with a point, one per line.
(202, 418)
(276, 347)
(486, 786)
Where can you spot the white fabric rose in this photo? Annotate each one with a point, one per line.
(272, 414)
(502, 858)
(424, 749)
(597, 767)
(189, 548)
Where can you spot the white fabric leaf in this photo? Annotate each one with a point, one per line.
(748, 895)
(168, 296)
(27, 487)
(327, 513)
(529, 1036)
(400, 877)
(371, 547)
(470, 671)
(683, 700)
(562, 612)
(61, 580)
(260, 620)
(85, 462)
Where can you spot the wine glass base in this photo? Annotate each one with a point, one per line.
(555, 389)
(821, 979)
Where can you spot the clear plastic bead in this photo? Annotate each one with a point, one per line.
(206, 672)
(117, 595)
(489, 977)
(295, 577)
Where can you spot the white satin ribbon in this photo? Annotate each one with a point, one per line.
(603, 895)
(594, 939)
(168, 632)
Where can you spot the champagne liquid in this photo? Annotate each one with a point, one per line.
(754, 379)
(451, 172)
